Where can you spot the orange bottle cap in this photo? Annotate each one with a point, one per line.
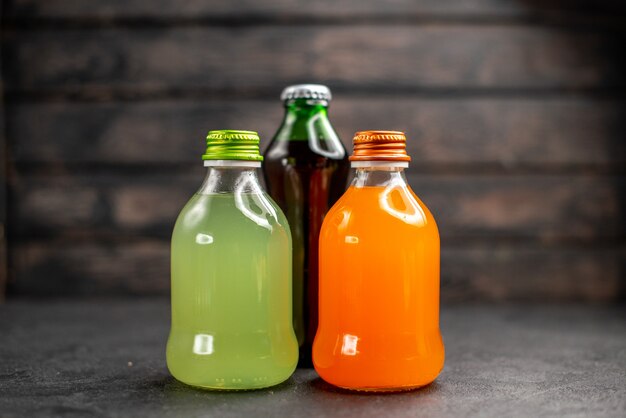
(379, 146)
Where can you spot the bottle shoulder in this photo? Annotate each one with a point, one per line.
(235, 210)
(280, 216)
(379, 210)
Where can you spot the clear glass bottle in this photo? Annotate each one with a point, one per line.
(379, 277)
(231, 276)
(306, 169)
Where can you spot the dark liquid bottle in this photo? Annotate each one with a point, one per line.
(306, 169)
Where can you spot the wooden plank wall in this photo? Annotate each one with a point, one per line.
(3, 184)
(515, 110)
(3, 197)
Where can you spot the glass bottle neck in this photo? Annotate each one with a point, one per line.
(228, 179)
(300, 114)
(379, 176)
(304, 108)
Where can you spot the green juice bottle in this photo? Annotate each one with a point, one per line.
(231, 276)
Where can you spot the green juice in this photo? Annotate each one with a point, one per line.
(231, 291)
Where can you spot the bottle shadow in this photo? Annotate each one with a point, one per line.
(318, 384)
(304, 392)
(427, 400)
(172, 387)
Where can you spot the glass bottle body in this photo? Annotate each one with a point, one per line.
(306, 169)
(231, 287)
(379, 288)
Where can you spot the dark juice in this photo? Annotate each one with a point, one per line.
(305, 180)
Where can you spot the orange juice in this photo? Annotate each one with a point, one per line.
(379, 280)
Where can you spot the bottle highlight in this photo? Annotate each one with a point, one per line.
(379, 277)
(231, 276)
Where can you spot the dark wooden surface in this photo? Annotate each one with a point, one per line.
(553, 133)
(470, 272)
(196, 8)
(383, 57)
(515, 111)
(172, 13)
(107, 359)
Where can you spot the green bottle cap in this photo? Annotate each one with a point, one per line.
(232, 145)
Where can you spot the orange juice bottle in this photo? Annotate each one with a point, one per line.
(379, 277)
